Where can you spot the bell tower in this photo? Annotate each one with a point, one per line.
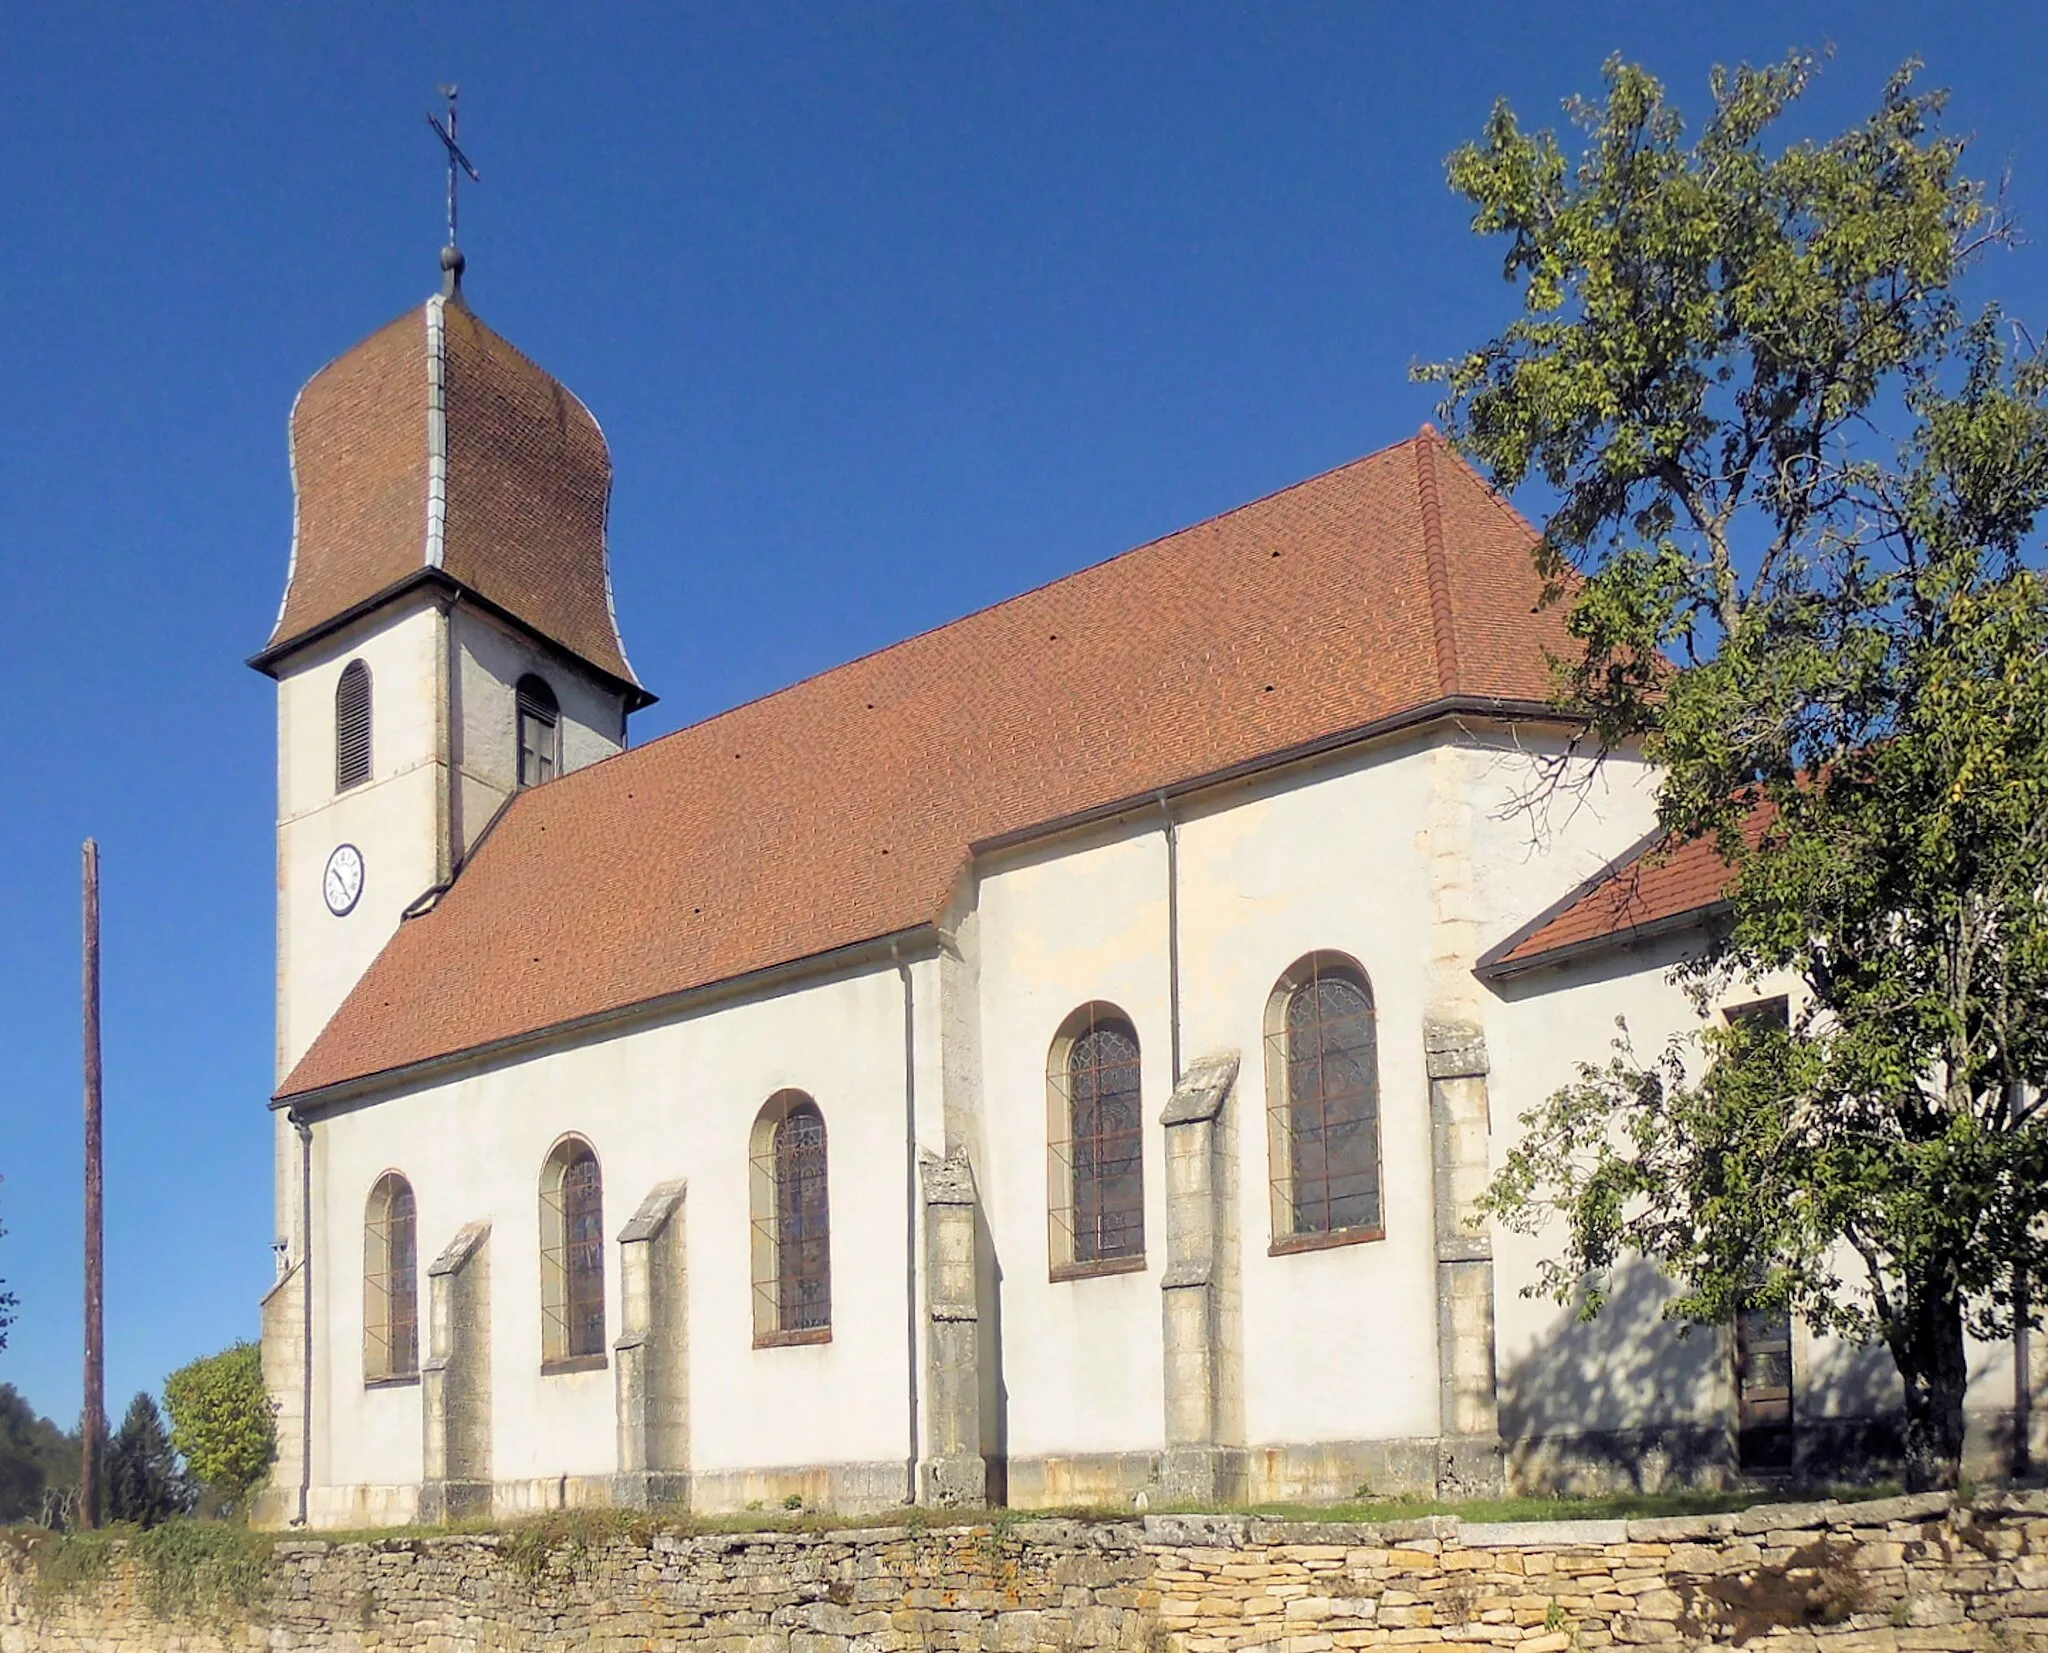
(446, 635)
(446, 640)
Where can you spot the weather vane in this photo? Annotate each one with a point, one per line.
(452, 260)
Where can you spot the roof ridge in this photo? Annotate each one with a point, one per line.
(1442, 622)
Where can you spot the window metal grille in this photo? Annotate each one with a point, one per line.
(1325, 1110)
(540, 731)
(1097, 1146)
(572, 1256)
(391, 1325)
(352, 727)
(792, 1221)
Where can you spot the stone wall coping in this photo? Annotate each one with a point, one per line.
(1356, 1534)
(1508, 1535)
(1239, 1531)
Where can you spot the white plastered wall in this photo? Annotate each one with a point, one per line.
(397, 818)
(492, 658)
(1081, 1359)
(669, 1099)
(1339, 1344)
(391, 818)
(1630, 1369)
(1342, 856)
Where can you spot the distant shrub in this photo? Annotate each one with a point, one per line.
(223, 1421)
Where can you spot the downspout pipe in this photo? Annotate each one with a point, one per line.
(1172, 933)
(305, 1130)
(911, 1193)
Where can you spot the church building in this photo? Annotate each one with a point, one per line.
(1050, 1061)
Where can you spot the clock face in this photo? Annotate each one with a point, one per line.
(342, 883)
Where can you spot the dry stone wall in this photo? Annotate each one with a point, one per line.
(1900, 1574)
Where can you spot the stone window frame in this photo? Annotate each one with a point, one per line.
(538, 732)
(354, 704)
(1062, 1198)
(780, 1291)
(1280, 1108)
(571, 1266)
(391, 1274)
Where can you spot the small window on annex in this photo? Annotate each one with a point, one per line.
(571, 1258)
(540, 731)
(391, 1316)
(352, 726)
(1323, 1106)
(1095, 1161)
(792, 1223)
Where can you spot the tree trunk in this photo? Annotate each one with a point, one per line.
(1927, 1345)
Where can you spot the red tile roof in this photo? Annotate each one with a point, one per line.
(505, 494)
(845, 808)
(1650, 890)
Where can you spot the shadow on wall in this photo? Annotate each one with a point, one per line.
(1847, 1401)
(995, 1388)
(1633, 1402)
(1629, 1401)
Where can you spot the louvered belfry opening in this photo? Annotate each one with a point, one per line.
(352, 727)
(540, 724)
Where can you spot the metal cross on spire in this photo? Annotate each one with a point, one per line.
(452, 261)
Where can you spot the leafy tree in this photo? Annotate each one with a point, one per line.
(223, 1422)
(1797, 490)
(8, 1301)
(34, 1455)
(145, 1482)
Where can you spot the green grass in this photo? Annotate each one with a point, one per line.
(530, 1541)
(206, 1569)
(1616, 1506)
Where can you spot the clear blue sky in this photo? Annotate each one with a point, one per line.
(888, 311)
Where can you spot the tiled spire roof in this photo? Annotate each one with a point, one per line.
(844, 809)
(435, 450)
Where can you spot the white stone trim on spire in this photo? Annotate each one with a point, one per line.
(291, 459)
(437, 432)
(611, 606)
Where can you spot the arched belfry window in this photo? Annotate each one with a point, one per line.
(792, 1222)
(1096, 1145)
(352, 726)
(571, 1257)
(1323, 1105)
(391, 1315)
(540, 731)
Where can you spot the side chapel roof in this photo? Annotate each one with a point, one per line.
(1651, 889)
(844, 808)
(435, 449)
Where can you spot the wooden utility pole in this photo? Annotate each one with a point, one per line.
(95, 1303)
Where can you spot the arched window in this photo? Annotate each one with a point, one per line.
(352, 726)
(571, 1257)
(1323, 1105)
(391, 1313)
(1095, 1131)
(540, 731)
(792, 1223)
